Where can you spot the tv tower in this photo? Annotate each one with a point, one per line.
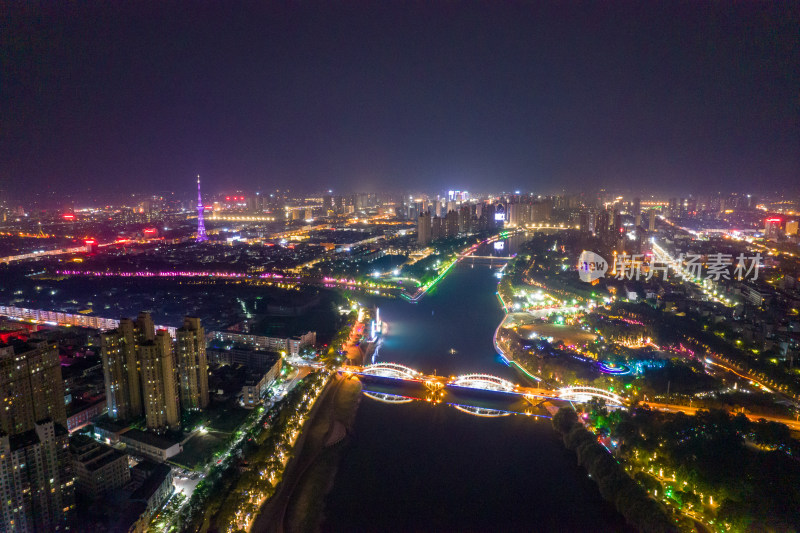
(201, 228)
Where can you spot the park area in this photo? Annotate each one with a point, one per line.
(219, 425)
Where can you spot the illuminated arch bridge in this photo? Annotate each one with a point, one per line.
(483, 381)
(391, 370)
(487, 382)
(584, 394)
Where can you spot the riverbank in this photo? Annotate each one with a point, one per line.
(509, 357)
(614, 483)
(290, 508)
(307, 502)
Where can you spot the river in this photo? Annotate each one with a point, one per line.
(424, 467)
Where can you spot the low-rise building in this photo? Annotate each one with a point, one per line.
(257, 383)
(156, 485)
(149, 445)
(81, 414)
(227, 353)
(98, 468)
(289, 345)
(152, 486)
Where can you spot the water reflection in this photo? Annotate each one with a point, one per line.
(422, 461)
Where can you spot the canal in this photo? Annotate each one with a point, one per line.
(424, 467)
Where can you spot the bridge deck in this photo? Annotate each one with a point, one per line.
(390, 373)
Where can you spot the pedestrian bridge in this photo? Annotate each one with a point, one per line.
(483, 381)
(389, 370)
(476, 393)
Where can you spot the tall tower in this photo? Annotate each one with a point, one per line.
(201, 228)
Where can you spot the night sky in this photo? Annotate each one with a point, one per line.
(678, 96)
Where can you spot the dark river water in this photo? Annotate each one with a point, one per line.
(424, 467)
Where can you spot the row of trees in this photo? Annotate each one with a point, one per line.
(630, 499)
(670, 329)
(709, 463)
(268, 453)
(221, 493)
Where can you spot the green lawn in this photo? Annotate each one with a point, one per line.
(225, 418)
(199, 449)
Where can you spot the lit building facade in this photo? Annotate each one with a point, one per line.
(190, 350)
(141, 371)
(31, 386)
(423, 229)
(37, 489)
(159, 383)
(98, 468)
(772, 228)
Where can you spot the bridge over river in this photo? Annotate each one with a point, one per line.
(477, 394)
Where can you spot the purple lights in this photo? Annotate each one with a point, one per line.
(607, 367)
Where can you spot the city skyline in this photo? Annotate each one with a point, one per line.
(400, 266)
(368, 97)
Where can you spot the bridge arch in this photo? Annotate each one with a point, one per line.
(483, 381)
(390, 370)
(584, 394)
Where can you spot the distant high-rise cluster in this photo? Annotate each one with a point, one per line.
(458, 215)
(146, 373)
(36, 482)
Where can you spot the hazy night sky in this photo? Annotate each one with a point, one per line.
(482, 96)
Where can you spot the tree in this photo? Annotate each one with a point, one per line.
(579, 435)
(564, 420)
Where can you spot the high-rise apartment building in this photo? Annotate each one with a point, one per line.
(159, 383)
(602, 223)
(31, 386)
(118, 356)
(338, 205)
(423, 229)
(119, 350)
(542, 211)
(190, 350)
(36, 485)
(37, 488)
(327, 205)
(772, 228)
(142, 368)
(586, 222)
(465, 219)
(451, 223)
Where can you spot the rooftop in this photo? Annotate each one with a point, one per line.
(150, 439)
(158, 473)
